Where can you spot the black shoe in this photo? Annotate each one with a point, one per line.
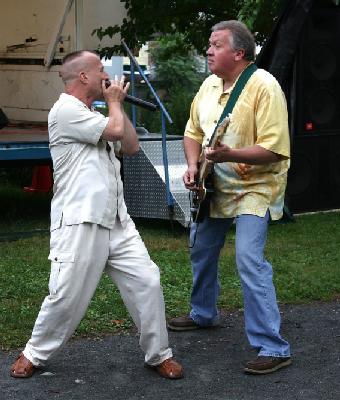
(265, 365)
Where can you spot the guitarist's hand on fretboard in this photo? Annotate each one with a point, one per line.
(218, 154)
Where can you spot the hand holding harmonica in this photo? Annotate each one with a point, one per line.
(115, 90)
(135, 100)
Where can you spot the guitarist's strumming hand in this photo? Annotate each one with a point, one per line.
(189, 178)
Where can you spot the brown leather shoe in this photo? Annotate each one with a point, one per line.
(22, 367)
(169, 368)
(265, 365)
(186, 323)
(182, 324)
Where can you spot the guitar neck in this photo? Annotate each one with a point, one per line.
(204, 171)
(206, 167)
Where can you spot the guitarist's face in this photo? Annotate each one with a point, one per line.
(222, 58)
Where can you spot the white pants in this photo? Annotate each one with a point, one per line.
(79, 255)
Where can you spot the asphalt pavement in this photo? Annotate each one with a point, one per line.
(112, 367)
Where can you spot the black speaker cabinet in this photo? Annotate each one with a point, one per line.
(317, 75)
(314, 176)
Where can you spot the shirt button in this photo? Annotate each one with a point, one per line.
(215, 122)
(55, 258)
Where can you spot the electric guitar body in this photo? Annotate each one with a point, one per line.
(200, 198)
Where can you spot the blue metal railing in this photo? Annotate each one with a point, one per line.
(164, 116)
(133, 92)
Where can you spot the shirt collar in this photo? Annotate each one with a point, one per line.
(218, 82)
(73, 98)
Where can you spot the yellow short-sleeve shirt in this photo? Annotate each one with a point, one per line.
(259, 117)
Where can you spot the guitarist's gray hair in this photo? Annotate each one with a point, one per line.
(242, 38)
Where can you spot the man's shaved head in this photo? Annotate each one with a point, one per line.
(76, 62)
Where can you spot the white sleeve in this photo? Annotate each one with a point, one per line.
(78, 124)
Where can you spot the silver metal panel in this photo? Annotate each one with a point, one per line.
(144, 181)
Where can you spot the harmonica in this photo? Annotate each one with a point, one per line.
(136, 101)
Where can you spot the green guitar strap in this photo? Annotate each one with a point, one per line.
(240, 84)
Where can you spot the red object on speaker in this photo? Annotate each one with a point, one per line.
(309, 126)
(42, 180)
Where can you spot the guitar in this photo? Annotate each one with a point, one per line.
(200, 197)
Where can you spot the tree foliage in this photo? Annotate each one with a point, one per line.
(178, 26)
(193, 18)
(176, 77)
(174, 63)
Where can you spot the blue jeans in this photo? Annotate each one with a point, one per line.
(261, 313)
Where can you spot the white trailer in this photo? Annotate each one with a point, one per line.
(34, 36)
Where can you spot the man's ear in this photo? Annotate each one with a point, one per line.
(83, 77)
(239, 54)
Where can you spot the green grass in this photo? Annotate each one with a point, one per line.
(304, 255)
